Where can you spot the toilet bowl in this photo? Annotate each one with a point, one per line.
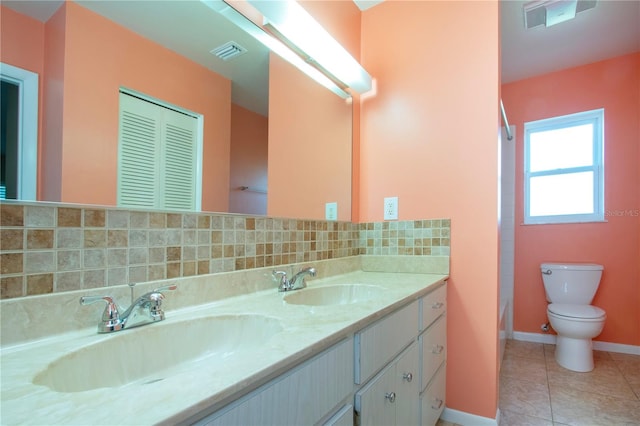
(570, 288)
(576, 325)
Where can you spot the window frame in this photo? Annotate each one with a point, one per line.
(594, 117)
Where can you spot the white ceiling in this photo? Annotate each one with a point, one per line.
(189, 27)
(610, 29)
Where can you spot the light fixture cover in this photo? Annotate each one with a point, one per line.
(299, 28)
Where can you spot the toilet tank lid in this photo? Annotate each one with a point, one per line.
(576, 311)
(572, 266)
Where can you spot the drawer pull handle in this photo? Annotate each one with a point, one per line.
(437, 349)
(391, 396)
(438, 404)
(408, 377)
(437, 305)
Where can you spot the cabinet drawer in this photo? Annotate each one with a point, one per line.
(303, 396)
(434, 304)
(377, 344)
(434, 349)
(432, 401)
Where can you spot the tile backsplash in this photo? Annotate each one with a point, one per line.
(46, 248)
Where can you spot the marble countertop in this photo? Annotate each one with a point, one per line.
(305, 331)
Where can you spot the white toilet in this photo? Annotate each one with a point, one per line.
(570, 288)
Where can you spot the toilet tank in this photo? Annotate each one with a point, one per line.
(571, 283)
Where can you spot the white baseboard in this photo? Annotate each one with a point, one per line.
(467, 419)
(599, 346)
(549, 339)
(616, 347)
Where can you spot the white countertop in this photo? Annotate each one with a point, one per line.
(306, 330)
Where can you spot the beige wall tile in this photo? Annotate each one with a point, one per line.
(11, 239)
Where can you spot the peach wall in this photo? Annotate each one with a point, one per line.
(50, 160)
(22, 44)
(101, 57)
(615, 86)
(309, 127)
(249, 150)
(430, 137)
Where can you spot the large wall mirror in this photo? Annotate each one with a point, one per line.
(273, 141)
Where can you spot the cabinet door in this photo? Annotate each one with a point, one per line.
(303, 396)
(408, 387)
(375, 402)
(344, 417)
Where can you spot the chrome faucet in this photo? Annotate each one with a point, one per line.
(144, 310)
(297, 282)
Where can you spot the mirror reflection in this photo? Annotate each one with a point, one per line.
(269, 136)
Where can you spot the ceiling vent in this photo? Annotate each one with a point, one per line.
(552, 12)
(229, 50)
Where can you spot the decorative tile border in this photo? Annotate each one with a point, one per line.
(53, 248)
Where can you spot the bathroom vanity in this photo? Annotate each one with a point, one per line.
(353, 347)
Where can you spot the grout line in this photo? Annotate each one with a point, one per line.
(546, 370)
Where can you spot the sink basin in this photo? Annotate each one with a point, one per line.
(151, 353)
(344, 294)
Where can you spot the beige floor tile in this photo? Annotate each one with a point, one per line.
(518, 367)
(525, 397)
(605, 379)
(590, 409)
(508, 418)
(629, 365)
(524, 349)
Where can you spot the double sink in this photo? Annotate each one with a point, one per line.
(153, 353)
(199, 358)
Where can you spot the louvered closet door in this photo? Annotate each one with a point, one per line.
(179, 183)
(156, 156)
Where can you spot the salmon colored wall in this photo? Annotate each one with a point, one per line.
(309, 127)
(430, 137)
(22, 45)
(615, 86)
(249, 149)
(50, 160)
(100, 58)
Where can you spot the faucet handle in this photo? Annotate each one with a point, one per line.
(281, 278)
(166, 287)
(155, 301)
(110, 316)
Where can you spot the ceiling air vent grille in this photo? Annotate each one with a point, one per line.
(229, 50)
(551, 12)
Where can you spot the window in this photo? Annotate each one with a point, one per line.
(159, 156)
(564, 169)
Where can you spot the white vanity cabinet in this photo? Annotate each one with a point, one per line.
(303, 396)
(407, 349)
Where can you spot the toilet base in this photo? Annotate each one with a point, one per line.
(574, 354)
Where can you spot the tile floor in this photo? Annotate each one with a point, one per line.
(535, 390)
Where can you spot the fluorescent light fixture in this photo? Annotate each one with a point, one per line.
(298, 28)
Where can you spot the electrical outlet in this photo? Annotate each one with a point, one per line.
(331, 211)
(391, 208)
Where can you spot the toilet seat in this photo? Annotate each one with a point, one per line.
(578, 312)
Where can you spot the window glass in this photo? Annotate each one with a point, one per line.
(562, 148)
(564, 169)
